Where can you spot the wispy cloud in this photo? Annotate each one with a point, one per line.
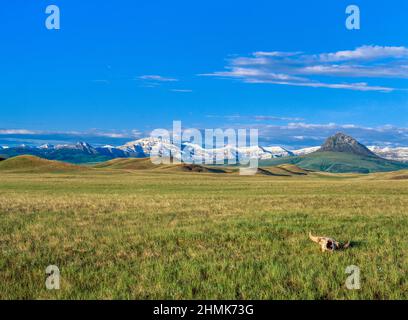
(366, 53)
(158, 78)
(16, 131)
(276, 54)
(94, 136)
(236, 117)
(361, 86)
(307, 70)
(93, 132)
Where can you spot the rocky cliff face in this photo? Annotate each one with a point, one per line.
(344, 143)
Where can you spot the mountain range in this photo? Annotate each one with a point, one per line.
(83, 152)
(339, 153)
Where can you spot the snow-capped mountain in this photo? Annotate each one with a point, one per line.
(112, 152)
(194, 152)
(86, 147)
(277, 152)
(46, 146)
(81, 146)
(304, 151)
(25, 146)
(144, 147)
(397, 154)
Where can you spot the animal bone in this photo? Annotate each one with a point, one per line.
(328, 244)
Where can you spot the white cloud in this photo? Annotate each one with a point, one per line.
(155, 77)
(302, 125)
(244, 61)
(362, 86)
(110, 135)
(303, 70)
(237, 117)
(366, 53)
(89, 133)
(352, 70)
(261, 118)
(136, 133)
(252, 75)
(275, 54)
(16, 131)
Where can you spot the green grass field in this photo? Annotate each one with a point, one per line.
(172, 235)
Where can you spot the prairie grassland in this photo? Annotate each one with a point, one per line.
(148, 235)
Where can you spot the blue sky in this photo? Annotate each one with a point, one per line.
(117, 69)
